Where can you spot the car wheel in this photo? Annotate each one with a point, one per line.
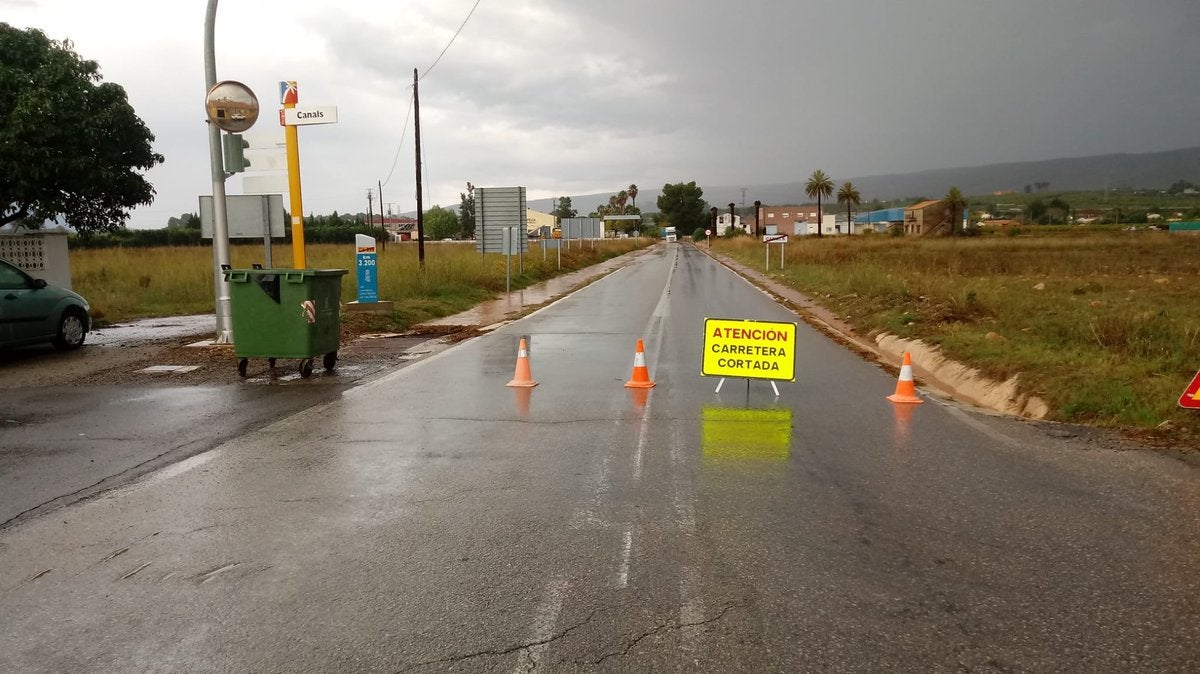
(71, 331)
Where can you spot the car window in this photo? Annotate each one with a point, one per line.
(11, 277)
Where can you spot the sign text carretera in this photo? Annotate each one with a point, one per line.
(750, 349)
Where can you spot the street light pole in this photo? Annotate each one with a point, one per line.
(220, 217)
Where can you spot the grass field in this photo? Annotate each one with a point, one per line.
(1103, 326)
(127, 283)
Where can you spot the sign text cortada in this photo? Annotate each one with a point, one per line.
(749, 349)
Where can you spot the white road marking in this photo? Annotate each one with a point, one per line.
(545, 618)
(684, 513)
(643, 431)
(691, 608)
(588, 515)
(623, 572)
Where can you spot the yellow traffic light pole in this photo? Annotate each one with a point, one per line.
(288, 95)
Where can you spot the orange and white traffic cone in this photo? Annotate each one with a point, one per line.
(906, 391)
(641, 376)
(522, 377)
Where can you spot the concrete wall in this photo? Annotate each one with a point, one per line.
(41, 253)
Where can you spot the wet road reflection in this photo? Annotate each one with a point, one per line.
(745, 434)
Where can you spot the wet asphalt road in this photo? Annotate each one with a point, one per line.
(65, 443)
(435, 520)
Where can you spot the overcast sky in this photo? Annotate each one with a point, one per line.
(583, 97)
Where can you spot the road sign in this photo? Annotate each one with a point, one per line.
(749, 349)
(368, 279)
(1191, 397)
(777, 238)
(298, 116)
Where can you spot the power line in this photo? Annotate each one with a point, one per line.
(464, 25)
(408, 115)
(403, 132)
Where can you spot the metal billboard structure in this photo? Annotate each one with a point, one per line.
(250, 216)
(582, 228)
(495, 209)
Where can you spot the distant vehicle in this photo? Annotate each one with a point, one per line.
(669, 234)
(33, 311)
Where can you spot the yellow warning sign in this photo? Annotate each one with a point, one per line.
(750, 349)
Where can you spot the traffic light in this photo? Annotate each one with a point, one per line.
(235, 158)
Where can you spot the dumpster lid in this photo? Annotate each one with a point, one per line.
(288, 271)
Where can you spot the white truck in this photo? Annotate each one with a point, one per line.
(669, 234)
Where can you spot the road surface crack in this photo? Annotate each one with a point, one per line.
(503, 651)
(661, 627)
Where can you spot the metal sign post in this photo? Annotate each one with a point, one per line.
(770, 239)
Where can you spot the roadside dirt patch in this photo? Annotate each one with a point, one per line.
(360, 355)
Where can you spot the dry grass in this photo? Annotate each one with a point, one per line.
(1104, 326)
(126, 283)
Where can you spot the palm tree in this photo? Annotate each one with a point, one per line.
(848, 194)
(954, 202)
(633, 194)
(622, 199)
(818, 185)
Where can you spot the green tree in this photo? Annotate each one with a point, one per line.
(441, 223)
(819, 185)
(681, 205)
(466, 212)
(848, 195)
(632, 191)
(185, 221)
(1179, 186)
(954, 202)
(564, 209)
(71, 146)
(1058, 210)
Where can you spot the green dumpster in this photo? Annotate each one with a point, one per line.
(286, 313)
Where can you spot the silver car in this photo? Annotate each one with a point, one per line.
(33, 311)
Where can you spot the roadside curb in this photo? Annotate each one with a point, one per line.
(947, 378)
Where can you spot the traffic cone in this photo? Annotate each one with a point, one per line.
(906, 391)
(522, 377)
(641, 376)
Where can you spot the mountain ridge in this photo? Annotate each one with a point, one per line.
(1146, 170)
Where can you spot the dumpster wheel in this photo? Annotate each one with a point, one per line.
(242, 362)
(306, 367)
(330, 361)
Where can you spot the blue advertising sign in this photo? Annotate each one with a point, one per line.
(368, 277)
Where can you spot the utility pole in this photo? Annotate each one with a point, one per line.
(370, 209)
(420, 214)
(382, 221)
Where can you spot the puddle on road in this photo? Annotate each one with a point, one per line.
(152, 329)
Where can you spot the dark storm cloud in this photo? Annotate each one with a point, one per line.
(586, 97)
